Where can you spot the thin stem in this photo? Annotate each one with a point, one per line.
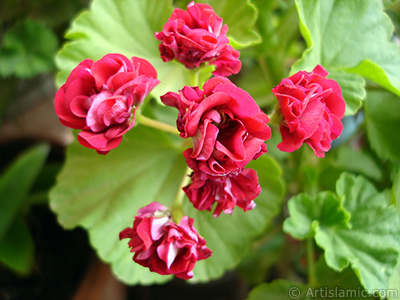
(155, 124)
(194, 77)
(177, 206)
(310, 262)
(276, 115)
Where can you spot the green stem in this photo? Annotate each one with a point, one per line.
(276, 115)
(194, 77)
(177, 206)
(310, 262)
(155, 124)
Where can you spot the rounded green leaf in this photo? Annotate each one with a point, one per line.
(330, 284)
(352, 36)
(308, 215)
(382, 114)
(372, 244)
(241, 17)
(353, 91)
(103, 193)
(394, 282)
(278, 290)
(369, 241)
(360, 162)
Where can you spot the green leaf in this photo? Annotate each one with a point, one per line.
(352, 89)
(278, 26)
(394, 283)
(16, 183)
(342, 285)
(331, 284)
(103, 193)
(382, 114)
(352, 36)
(28, 49)
(125, 27)
(349, 159)
(395, 192)
(371, 246)
(386, 4)
(278, 290)
(17, 248)
(309, 216)
(369, 242)
(258, 264)
(240, 16)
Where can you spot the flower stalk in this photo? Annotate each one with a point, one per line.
(155, 124)
(177, 206)
(276, 115)
(194, 77)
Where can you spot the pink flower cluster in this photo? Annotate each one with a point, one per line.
(227, 128)
(197, 36)
(312, 107)
(162, 245)
(239, 189)
(100, 98)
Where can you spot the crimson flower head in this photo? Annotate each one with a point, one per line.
(227, 126)
(197, 36)
(312, 107)
(100, 98)
(162, 245)
(237, 189)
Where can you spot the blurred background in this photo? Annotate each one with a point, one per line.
(39, 260)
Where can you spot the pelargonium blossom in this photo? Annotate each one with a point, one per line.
(312, 107)
(238, 189)
(197, 36)
(227, 126)
(100, 98)
(162, 245)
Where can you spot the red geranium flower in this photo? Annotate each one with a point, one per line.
(162, 245)
(197, 36)
(312, 107)
(101, 98)
(226, 191)
(227, 126)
